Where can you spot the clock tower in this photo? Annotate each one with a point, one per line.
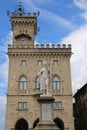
(24, 27)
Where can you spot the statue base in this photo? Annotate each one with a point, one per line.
(46, 120)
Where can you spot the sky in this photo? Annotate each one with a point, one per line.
(60, 22)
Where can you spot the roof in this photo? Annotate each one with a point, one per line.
(80, 90)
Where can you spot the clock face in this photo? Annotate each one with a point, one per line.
(22, 41)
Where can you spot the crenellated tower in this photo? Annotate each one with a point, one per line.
(24, 27)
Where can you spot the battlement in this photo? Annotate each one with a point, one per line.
(18, 14)
(52, 46)
(44, 46)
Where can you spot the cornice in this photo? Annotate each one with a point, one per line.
(27, 50)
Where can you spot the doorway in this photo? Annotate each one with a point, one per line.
(21, 125)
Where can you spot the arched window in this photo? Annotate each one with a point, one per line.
(55, 62)
(23, 62)
(39, 62)
(37, 83)
(56, 83)
(23, 83)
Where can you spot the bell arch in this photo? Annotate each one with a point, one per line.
(59, 123)
(21, 124)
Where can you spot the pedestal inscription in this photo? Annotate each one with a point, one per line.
(46, 112)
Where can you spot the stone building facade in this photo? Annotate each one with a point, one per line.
(80, 108)
(25, 61)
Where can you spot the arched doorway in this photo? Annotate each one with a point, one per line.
(21, 125)
(35, 122)
(59, 123)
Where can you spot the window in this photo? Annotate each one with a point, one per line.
(37, 83)
(39, 62)
(23, 62)
(57, 105)
(54, 105)
(22, 105)
(55, 62)
(23, 83)
(56, 83)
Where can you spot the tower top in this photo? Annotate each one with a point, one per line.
(20, 9)
(24, 26)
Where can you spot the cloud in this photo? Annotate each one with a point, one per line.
(56, 19)
(2, 111)
(2, 101)
(78, 39)
(82, 4)
(4, 60)
(45, 2)
(49, 2)
(84, 15)
(4, 73)
(49, 16)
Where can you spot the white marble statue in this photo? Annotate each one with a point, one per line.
(45, 76)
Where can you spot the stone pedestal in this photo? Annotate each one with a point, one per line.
(46, 119)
